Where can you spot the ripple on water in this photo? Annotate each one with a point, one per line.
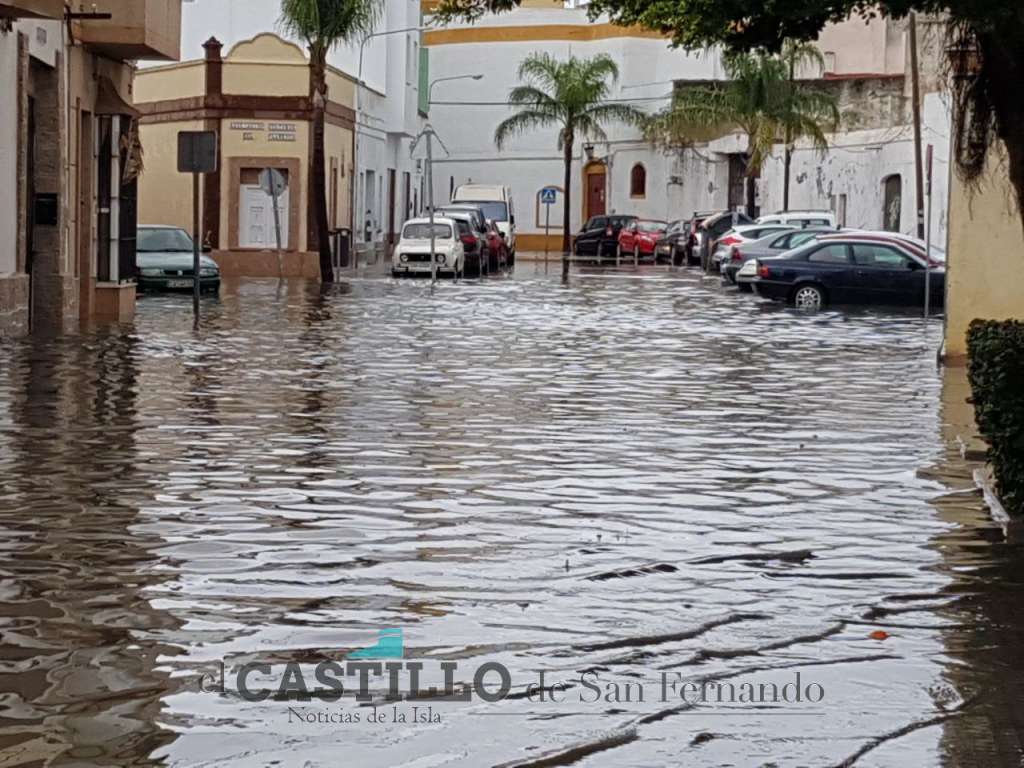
(636, 473)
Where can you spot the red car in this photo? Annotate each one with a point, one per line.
(497, 248)
(640, 237)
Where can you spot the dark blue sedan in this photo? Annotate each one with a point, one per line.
(850, 270)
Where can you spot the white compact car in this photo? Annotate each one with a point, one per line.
(412, 254)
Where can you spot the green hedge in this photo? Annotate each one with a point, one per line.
(996, 370)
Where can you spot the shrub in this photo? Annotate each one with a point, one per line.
(995, 352)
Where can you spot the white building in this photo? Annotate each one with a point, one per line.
(389, 185)
(868, 171)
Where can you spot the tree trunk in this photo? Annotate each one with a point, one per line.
(789, 137)
(318, 173)
(1002, 53)
(567, 208)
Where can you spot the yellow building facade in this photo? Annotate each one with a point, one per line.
(986, 244)
(256, 97)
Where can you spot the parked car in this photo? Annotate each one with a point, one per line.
(938, 255)
(800, 218)
(849, 268)
(640, 238)
(412, 255)
(164, 257)
(473, 234)
(744, 233)
(600, 236)
(713, 227)
(774, 244)
(495, 201)
(673, 245)
(496, 247)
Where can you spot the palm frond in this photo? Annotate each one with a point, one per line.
(326, 23)
(520, 123)
(571, 94)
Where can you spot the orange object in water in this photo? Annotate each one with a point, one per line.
(879, 634)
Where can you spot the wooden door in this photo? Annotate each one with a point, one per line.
(595, 194)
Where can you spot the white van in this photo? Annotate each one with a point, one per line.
(495, 201)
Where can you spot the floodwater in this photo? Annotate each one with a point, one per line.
(626, 484)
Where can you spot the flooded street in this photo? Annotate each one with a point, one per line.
(635, 479)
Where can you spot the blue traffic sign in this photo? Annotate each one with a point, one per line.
(548, 195)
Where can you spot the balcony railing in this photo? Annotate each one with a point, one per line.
(31, 9)
(136, 29)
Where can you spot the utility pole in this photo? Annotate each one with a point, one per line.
(430, 202)
(916, 104)
(428, 133)
(789, 137)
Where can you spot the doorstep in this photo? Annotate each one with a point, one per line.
(115, 301)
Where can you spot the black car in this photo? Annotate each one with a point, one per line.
(672, 246)
(848, 270)
(600, 236)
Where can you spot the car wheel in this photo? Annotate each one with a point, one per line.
(745, 287)
(808, 297)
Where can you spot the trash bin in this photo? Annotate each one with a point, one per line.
(341, 248)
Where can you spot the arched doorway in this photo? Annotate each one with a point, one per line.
(595, 183)
(892, 202)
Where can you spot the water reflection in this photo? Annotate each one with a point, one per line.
(636, 473)
(78, 685)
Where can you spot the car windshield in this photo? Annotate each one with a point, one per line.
(619, 221)
(160, 240)
(652, 226)
(495, 211)
(421, 231)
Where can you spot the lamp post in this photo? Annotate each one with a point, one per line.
(430, 89)
(355, 139)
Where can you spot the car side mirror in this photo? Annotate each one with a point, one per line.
(512, 220)
(912, 265)
(501, 234)
(207, 248)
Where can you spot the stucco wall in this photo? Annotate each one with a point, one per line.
(165, 196)
(174, 81)
(986, 246)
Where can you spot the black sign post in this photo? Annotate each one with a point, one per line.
(197, 154)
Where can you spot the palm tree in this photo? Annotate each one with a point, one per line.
(762, 98)
(571, 95)
(323, 24)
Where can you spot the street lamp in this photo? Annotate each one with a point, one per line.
(357, 175)
(430, 90)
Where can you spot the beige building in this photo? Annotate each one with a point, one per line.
(257, 99)
(69, 155)
(986, 243)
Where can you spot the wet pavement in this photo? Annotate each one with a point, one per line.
(631, 482)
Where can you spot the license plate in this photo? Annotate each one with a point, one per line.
(179, 283)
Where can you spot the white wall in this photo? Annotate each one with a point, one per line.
(677, 183)
(857, 164)
(647, 68)
(8, 153)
